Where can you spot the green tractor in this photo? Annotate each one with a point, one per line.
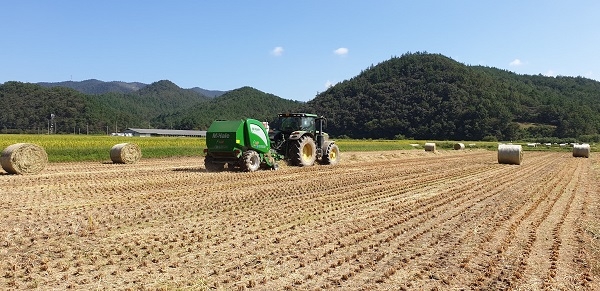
(299, 137)
(249, 144)
(242, 144)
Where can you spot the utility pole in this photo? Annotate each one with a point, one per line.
(52, 124)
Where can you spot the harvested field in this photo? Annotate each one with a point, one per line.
(377, 221)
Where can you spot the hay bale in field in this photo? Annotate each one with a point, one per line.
(459, 146)
(125, 153)
(23, 158)
(581, 150)
(510, 154)
(429, 147)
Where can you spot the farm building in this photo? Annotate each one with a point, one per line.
(164, 132)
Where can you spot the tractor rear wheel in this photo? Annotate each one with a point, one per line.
(303, 152)
(250, 161)
(331, 155)
(211, 166)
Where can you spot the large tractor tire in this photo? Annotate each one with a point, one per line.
(303, 152)
(331, 156)
(250, 161)
(211, 166)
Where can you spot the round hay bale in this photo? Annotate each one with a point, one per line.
(581, 150)
(125, 153)
(510, 154)
(459, 146)
(429, 147)
(23, 158)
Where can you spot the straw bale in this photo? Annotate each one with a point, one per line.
(430, 147)
(581, 150)
(510, 154)
(459, 146)
(125, 153)
(23, 158)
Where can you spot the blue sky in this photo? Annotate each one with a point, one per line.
(293, 49)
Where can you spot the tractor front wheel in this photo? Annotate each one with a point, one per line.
(331, 155)
(303, 152)
(250, 161)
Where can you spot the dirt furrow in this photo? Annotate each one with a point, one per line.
(509, 263)
(425, 215)
(566, 264)
(330, 250)
(445, 238)
(377, 221)
(540, 266)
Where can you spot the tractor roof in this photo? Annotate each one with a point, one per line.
(298, 115)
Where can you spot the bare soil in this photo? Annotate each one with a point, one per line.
(393, 220)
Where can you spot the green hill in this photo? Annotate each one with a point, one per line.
(235, 104)
(430, 96)
(417, 95)
(27, 108)
(94, 86)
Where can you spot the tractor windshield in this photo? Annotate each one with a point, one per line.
(296, 123)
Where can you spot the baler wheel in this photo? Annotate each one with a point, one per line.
(250, 161)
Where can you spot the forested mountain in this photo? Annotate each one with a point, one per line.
(417, 95)
(27, 108)
(430, 96)
(139, 108)
(208, 93)
(235, 104)
(94, 86)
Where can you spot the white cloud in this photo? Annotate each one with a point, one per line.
(329, 84)
(277, 51)
(341, 51)
(550, 73)
(515, 63)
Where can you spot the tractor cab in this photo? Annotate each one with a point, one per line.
(291, 126)
(290, 122)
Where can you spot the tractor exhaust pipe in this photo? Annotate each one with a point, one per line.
(321, 123)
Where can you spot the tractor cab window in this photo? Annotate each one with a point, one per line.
(308, 124)
(294, 123)
(290, 123)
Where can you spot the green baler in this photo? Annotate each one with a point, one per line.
(240, 144)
